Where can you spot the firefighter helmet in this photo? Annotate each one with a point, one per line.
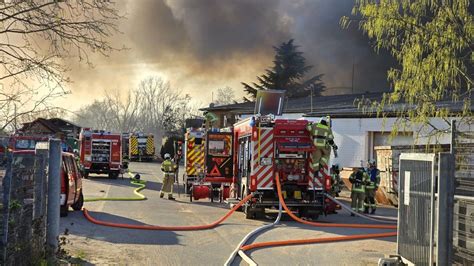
(167, 156)
(372, 162)
(324, 120)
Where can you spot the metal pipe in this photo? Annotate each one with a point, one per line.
(54, 191)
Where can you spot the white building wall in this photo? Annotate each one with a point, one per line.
(355, 137)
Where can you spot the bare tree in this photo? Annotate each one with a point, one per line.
(154, 107)
(225, 96)
(36, 37)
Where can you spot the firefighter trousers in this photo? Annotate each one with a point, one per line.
(369, 202)
(320, 158)
(168, 182)
(357, 203)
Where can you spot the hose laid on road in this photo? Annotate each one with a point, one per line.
(168, 228)
(290, 213)
(316, 240)
(320, 240)
(249, 235)
(379, 219)
(141, 185)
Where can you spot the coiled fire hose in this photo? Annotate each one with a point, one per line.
(141, 185)
(168, 228)
(320, 240)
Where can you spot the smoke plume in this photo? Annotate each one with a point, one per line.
(203, 45)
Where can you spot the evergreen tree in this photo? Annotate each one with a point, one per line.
(288, 73)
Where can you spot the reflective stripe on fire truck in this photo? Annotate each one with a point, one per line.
(194, 155)
(264, 148)
(150, 145)
(133, 145)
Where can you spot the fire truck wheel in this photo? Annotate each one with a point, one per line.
(303, 212)
(63, 210)
(113, 175)
(249, 212)
(77, 206)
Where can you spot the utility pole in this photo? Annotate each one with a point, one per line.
(54, 191)
(311, 99)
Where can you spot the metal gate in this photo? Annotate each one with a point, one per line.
(415, 209)
(463, 233)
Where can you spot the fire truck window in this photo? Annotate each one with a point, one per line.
(25, 144)
(217, 148)
(198, 141)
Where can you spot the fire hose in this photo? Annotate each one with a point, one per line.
(379, 219)
(168, 228)
(249, 235)
(141, 185)
(317, 240)
(261, 244)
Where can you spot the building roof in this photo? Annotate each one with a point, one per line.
(44, 122)
(342, 106)
(55, 125)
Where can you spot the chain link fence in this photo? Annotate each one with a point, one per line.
(24, 195)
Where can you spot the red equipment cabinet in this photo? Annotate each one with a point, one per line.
(100, 152)
(264, 146)
(218, 174)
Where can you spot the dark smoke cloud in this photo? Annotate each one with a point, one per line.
(336, 52)
(200, 45)
(206, 31)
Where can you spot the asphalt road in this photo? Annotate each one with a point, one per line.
(100, 245)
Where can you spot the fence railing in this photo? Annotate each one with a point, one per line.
(416, 208)
(24, 190)
(463, 215)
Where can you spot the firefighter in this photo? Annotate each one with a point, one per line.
(169, 168)
(323, 141)
(358, 178)
(371, 187)
(335, 180)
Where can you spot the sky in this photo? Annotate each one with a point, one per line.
(202, 45)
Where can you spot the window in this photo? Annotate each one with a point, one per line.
(25, 144)
(217, 147)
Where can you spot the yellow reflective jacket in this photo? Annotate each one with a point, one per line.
(359, 181)
(322, 135)
(168, 166)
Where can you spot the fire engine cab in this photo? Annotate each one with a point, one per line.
(100, 152)
(264, 146)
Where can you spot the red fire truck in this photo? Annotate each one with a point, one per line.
(100, 152)
(264, 146)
